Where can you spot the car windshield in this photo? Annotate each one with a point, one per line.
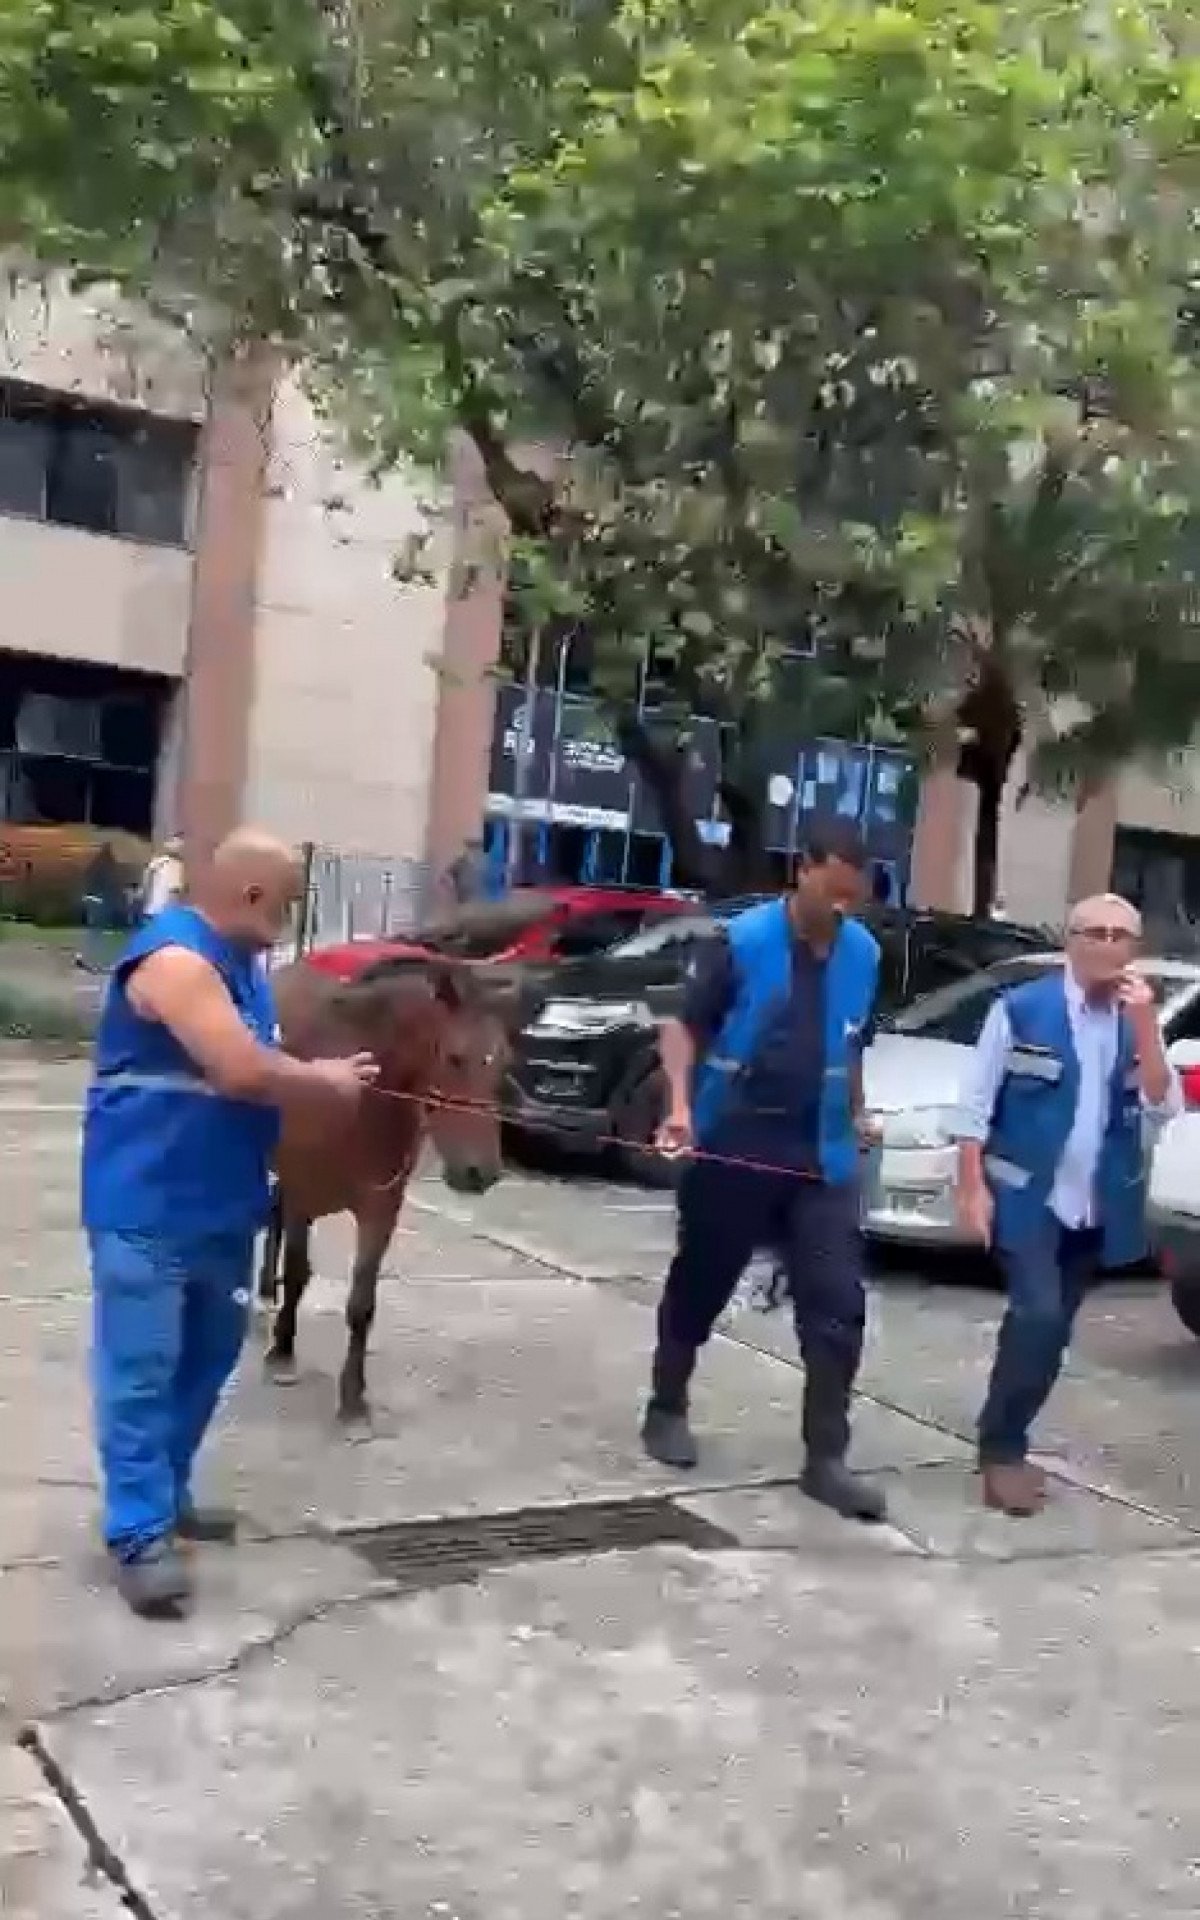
(676, 930)
(957, 1012)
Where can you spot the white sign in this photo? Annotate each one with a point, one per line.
(779, 790)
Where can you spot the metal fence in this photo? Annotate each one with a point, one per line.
(357, 897)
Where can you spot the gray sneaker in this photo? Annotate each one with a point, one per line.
(156, 1585)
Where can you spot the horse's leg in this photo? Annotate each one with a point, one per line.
(297, 1271)
(375, 1225)
(268, 1272)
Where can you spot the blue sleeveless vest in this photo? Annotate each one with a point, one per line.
(163, 1153)
(1033, 1119)
(761, 944)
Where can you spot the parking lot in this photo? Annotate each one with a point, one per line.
(487, 1660)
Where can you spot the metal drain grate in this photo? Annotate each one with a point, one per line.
(422, 1554)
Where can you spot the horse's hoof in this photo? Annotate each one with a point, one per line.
(354, 1416)
(280, 1367)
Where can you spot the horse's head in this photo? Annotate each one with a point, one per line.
(470, 1052)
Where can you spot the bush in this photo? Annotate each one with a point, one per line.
(43, 869)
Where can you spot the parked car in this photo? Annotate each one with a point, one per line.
(1174, 1209)
(533, 924)
(585, 1067)
(915, 1083)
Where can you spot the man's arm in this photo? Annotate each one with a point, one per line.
(1162, 1097)
(186, 995)
(988, 1068)
(854, 1071)
(707, 999)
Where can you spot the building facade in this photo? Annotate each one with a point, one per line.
(201, 621)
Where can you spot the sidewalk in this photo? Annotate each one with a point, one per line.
(719, 1702)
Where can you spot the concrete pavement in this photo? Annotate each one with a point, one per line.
(721, 1700)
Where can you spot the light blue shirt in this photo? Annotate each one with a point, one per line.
(1094, 1030)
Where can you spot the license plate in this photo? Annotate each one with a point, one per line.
(910, 1199)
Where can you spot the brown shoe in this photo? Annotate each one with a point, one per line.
(1014, 1487)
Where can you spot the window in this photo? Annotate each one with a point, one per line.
(152, 477)
(957, 1012)
(81, 485)
(590, 933)
(676, 931)
(24, 454)
(100, 468)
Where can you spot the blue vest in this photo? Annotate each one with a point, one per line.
(163, 1153)
(761, 944)
(1032, 1123)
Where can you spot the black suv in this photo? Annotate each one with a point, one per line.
(585, 1070)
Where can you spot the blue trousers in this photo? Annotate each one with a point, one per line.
(1047, 1280)
(169, 1319)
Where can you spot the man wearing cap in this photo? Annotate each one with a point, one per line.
(1052, 1164)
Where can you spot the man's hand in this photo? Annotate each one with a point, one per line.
(675, 1135)
(869, 1131)
(1134, 993)
(976, 1210)
(348, 1078)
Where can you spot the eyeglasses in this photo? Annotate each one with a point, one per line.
(1103, 936)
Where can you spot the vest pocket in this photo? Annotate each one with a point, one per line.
(1036, 1063)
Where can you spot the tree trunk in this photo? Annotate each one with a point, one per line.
(716, 872)
(990, 717)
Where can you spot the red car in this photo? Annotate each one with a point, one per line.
(539, 924)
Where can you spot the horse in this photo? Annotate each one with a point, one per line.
(441, 1048)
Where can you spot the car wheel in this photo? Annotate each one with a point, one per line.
(635, 1124)
(1185, 1298)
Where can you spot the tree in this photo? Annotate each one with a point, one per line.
(825, 302)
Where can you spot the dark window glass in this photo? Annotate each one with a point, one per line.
(152, 479)
(82, 487)
(596, 932)
(24, 454)
(129, 733)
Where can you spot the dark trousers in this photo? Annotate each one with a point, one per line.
(1047, 1280)
(726, 1215)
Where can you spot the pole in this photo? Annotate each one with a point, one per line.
(516, 839)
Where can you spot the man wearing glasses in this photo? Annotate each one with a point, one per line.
(1052, 1164)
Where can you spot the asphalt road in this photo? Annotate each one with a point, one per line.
(484, 1659)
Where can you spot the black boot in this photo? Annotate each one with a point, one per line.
(825, 1476)
(666, 1435)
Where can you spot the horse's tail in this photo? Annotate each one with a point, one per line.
(268, 1273)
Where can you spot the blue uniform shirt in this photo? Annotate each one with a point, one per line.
(163, 1152)
(776, 1118)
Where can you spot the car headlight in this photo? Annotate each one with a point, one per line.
(915, 1127)
(563, 1019)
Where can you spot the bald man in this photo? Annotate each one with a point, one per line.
(180, 1127)
(1052, 1166)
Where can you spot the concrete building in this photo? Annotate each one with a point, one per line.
(201, 621)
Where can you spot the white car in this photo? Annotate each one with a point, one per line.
(915, 1080)
(1174, 1201)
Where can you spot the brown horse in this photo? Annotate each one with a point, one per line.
(441, 1049)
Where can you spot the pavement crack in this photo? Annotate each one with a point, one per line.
(261, 1646)
(103, 1860)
